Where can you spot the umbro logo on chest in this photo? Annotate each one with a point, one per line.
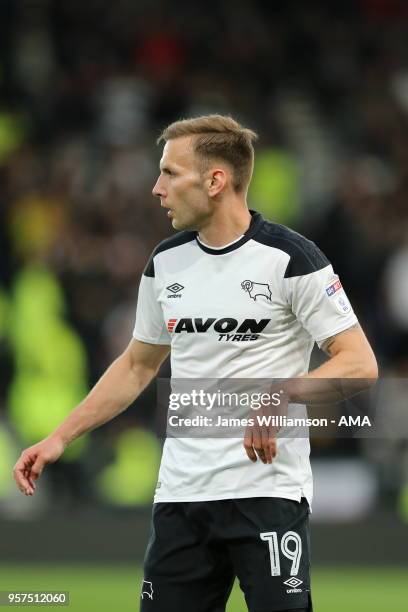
(175, 289)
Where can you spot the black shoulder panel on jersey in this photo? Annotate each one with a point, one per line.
(305, 256)
(169, 243)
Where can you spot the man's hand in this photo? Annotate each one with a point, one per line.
(261, 441)
(120, 385)
(260, 438)
(33, 460)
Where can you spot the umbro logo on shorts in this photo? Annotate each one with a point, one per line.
(293, 583)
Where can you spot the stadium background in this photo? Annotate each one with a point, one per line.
(85, 88)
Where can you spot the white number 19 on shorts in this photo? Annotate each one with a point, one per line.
(291, 547)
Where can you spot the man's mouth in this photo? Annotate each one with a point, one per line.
(169, 210)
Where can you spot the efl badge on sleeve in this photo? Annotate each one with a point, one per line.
(333, 287)
(337, 296)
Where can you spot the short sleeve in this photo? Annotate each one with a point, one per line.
(150, 326)
(320, 303)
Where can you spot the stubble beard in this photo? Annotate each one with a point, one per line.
(186, 225)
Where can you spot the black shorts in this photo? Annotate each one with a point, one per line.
(197, 548)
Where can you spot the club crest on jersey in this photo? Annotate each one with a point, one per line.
(228, 328)
(333, 287)
(256, 289)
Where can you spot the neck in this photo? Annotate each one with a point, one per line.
(226, 224)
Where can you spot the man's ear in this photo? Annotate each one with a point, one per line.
(216, 182)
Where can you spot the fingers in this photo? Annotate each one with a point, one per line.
(22, 474)
(32, 462)
(260, 439)
(37, 468)
(248, 445)
(29, 478)
(27, 470)
(265, 445)
(260, 442)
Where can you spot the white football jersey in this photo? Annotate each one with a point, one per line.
(252, 309)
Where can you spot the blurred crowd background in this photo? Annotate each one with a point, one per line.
(85, 89)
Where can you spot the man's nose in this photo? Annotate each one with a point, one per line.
(158, 189)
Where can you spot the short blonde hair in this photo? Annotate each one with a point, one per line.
(219, 137)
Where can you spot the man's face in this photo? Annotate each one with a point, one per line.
(181, 185)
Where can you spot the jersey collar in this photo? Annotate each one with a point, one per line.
(256, 222)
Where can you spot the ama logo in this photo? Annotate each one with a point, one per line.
(147, 589)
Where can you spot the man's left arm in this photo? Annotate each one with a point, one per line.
(316, 297)
(351, 367)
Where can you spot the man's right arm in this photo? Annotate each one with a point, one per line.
(119, 386)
